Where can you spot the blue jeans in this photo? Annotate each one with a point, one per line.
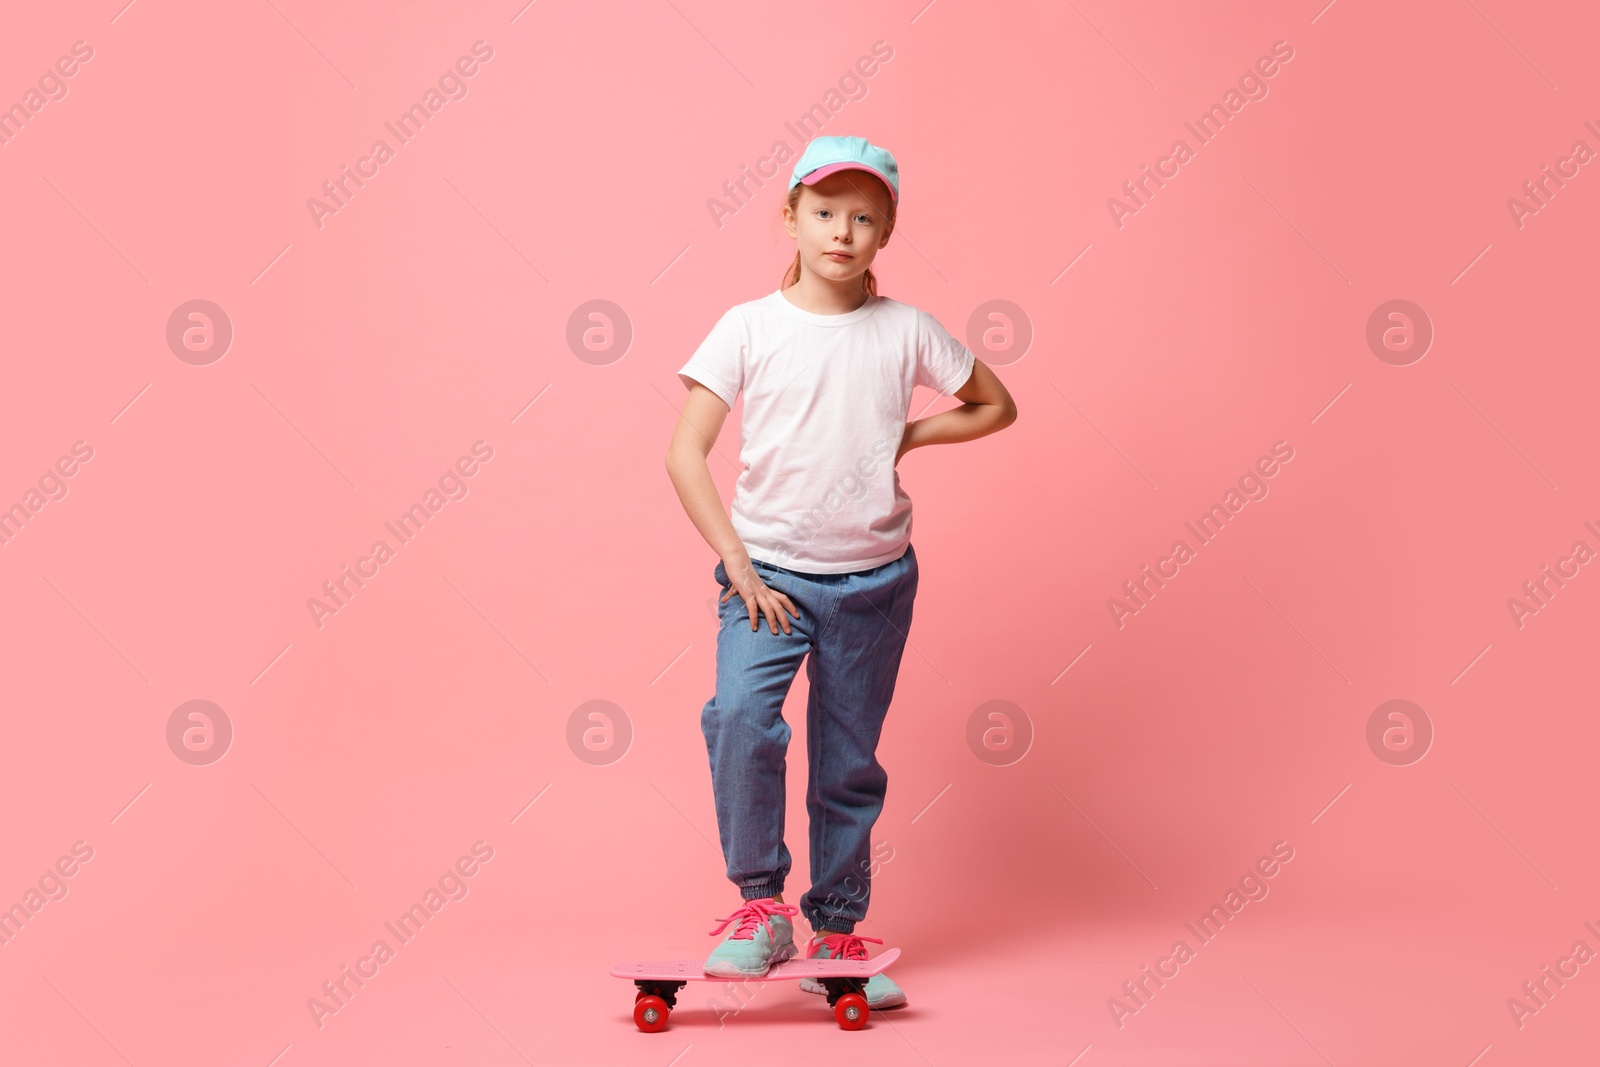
(854, 628)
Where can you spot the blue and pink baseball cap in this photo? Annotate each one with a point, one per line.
(828, 155)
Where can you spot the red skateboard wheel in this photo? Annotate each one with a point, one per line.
(851, 1011)
(650, 1013)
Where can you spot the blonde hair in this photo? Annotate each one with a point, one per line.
(792, 275)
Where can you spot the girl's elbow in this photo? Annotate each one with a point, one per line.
(681, 452)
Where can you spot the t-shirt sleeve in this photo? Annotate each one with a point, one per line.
(719, 362)
(943, 363)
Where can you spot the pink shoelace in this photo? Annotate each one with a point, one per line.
(844, 946)
(754, 912)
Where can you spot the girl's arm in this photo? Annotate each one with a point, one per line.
(698, 428)
(986, 408)
(697, 431)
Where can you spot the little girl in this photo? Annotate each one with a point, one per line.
(818, 548)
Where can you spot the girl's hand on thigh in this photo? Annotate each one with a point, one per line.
(760, 599)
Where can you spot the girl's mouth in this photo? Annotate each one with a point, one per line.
(841, 256)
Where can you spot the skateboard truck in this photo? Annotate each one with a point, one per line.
(667, 991)
(838, 987)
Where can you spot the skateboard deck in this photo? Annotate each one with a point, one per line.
(658, 982)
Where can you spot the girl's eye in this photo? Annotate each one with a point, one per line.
(861, 217)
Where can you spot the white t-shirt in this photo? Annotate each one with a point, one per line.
(825, 404)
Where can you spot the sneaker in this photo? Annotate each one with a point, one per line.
(762, 935)
(880, 988)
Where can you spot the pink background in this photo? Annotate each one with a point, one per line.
(431, 312)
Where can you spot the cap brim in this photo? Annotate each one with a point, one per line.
(833, 168)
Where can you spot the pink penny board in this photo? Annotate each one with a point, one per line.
(660, 980)
(694, 970)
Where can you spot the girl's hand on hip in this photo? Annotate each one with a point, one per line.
(760, 599)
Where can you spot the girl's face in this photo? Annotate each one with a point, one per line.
(839, 224)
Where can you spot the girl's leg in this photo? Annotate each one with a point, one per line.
(747, 738)
(852, 673)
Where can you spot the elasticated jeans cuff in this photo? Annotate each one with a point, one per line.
(761, 890)
(840, 924)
